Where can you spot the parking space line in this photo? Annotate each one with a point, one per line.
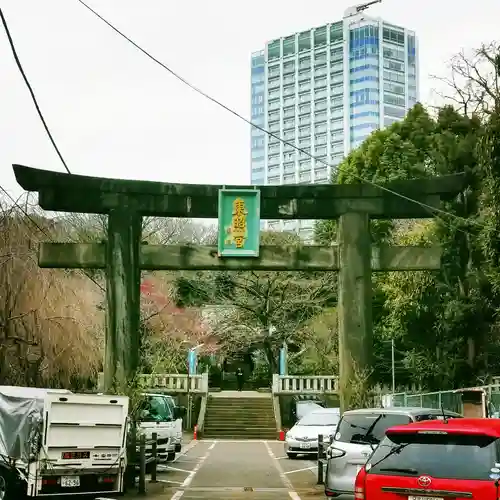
(183, 452)
(300, 470)
(176, 469)
(185, 484)
(291, 493)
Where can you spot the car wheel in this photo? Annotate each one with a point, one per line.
(292, 456)
(170, 456)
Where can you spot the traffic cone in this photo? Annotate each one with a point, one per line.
(195, 433)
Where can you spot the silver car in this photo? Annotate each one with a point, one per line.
(358, 434)
(302, 438)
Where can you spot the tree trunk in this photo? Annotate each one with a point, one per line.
(271, 358)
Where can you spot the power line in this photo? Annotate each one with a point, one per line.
(258, 127)
(30, 88)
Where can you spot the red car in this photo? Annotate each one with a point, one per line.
(451, 459)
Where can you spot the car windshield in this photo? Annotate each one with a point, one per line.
(367, 428)
(441, 456)
(156, 409)
(320, 418)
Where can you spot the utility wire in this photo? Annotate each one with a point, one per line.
(49, 134)
(431, 209)
(30, 88)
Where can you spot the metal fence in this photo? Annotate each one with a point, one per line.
(449, 400)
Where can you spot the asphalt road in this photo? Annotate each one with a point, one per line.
(223, 469)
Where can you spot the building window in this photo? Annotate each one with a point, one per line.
(273, 180)
(320, 82)
(320, 139)
(394, 100)
(274, 50)
(394, 88)
(304, 41)
(395, 112)
(289, 179)
(321, 173)
(305, 177)
(394, 65)
(336, 32)
(393, 53)
(320, 105)
(304, 62)
(337, 54)
(394, 36)
(320, 116)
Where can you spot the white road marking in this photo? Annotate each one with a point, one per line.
(185, 484)
(300, 470)
(169, 482)
(190, 446)
(291, 493)
(176, 469)
(177, 495)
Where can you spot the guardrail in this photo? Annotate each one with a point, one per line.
(297, 384)
(180, 382)
(168, 382)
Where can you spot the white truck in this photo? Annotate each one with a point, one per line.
(160, 415)
(56, 443)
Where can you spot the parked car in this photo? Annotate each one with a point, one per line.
(359, 432)
(456, 458)
(303, 404)
(302, 438)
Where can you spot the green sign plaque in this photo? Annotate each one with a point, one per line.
(239, 222)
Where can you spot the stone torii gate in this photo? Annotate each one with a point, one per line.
(123, 257)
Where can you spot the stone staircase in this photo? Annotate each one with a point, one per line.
(239, 417)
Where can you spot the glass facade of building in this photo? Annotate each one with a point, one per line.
(258, 139)
(326, 97)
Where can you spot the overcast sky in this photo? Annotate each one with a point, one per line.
(115, 113)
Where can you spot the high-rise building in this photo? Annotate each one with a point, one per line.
(325, 90)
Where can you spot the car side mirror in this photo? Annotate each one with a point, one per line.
(179, 412)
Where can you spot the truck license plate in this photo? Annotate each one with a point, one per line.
(70, 481)
(411, 497)
(305, 446)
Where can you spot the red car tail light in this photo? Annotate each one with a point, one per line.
(359, 485)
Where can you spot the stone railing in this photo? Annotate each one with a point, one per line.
(179, 382)
(296, 384)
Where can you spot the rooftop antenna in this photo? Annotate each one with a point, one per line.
(364, 6)
(356, 9)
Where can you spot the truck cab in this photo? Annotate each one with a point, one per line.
(157, 416)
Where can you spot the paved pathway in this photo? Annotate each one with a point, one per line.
(224, 469)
